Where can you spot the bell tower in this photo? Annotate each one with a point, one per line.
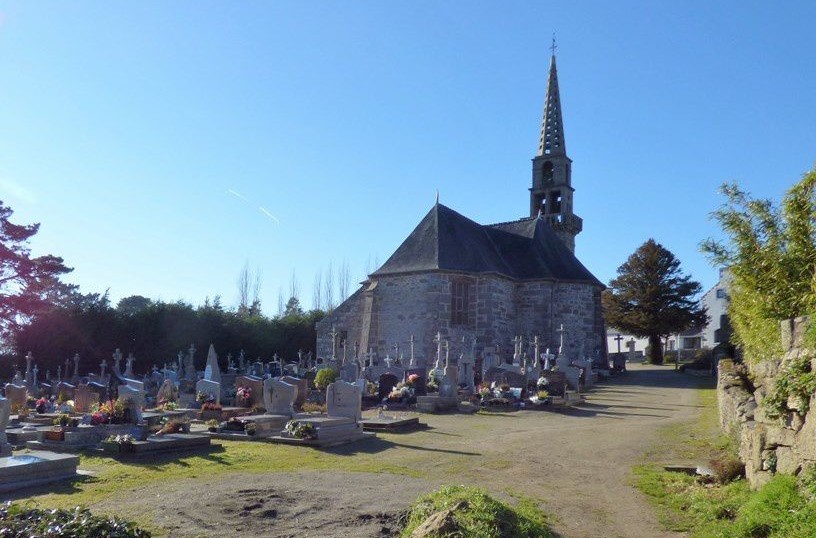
(551, 193)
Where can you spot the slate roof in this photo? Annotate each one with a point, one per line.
(526, 249)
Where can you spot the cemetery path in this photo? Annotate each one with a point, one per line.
(576, 462)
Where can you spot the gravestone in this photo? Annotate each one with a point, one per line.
(212, 366)
(419, 385)
(556, 383)
(501, 376)
(447, 389)
(134, 397)
(255, 385)
(386, 385)
(84, 399)
(209, 387)
(350, 372)
(302, 386)
(65, 389)
(5, 411)
(100, 390)
(344, 400)
(16, 395)
(167, 392)
(279, 397)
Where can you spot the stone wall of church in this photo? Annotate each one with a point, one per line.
(499, 309)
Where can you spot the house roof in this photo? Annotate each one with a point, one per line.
(526, 249)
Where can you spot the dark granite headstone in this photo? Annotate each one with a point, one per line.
(387, 384)
(419, 384)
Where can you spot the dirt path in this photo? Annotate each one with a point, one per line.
(577, 462)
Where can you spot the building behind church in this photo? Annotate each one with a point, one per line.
(479, 286)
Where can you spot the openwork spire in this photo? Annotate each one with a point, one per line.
(551, 141)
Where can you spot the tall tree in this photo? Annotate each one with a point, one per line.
(27, 284)
(652, 298)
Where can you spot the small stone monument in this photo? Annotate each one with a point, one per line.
(5, 411)
(212, 366)
(209, 387)
(279, 397)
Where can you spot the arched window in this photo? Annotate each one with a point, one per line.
(547, 171)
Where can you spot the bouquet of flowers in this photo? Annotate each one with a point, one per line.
(243, 393)
(205, 397)
(122, 439)
(301, 430)
(412, 379)
(42, 405)
(401, 393)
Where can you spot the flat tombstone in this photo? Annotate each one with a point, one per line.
(344, 400)
(209, 387)
(279, 397)
(419, 385)
(302, 386)
(16, 395)
(387, 384)
(256, 387)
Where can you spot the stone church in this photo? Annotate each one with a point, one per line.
(482, 285)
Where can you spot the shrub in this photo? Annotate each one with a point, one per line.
(311, 407)
(324, 378)
(17, 520)
(479, 515)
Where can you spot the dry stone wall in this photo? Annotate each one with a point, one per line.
(768, 445)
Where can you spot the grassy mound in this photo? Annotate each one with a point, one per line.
(481, 516)
(20, 521)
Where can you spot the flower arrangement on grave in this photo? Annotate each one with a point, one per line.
(168, 406)
(121, 439)
(212, 425)
(432, 385)
(243, 393)
(42, 405)
(301, 430)
(31, 401)
(65, 421)
(412, 379)
(235, 424)
(485, 392)
(542, 395)
(371, 389)
(174, 426)
(205, 397)
(401, 393)
(66, 407)
(211, 406)
(250, 428)
(542, 383)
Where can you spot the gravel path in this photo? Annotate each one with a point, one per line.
(577, 462)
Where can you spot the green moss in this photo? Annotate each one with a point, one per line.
(482, 516)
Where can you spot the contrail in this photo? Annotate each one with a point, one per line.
(268, 214)
(238, 195)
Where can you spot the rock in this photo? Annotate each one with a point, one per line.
(777, 435)
(439, 523)
(786, 461)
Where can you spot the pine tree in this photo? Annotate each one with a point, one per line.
(652, 298)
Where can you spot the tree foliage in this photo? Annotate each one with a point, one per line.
(651, 297)
(771, 253)
(27, 284)
(155, 332)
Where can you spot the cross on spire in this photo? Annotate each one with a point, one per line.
(554, 46)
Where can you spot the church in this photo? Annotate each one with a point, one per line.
(480, 286)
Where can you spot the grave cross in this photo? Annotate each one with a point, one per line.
(618, 339)
(438, 342)
(76, 365)
(117, 359)
(343, 345)
(67, 366)
(396, 348)
(447, 354)
(412, 363)
(59, 374)
(333, 334)
(561, 332)
(34, 371)
(356, 350)
(300, 358)
(102, 366)
(536, 356)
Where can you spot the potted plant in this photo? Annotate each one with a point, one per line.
(250, 428)
(212, 425)
(118, 443)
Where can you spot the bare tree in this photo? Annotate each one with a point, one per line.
(317, 292)
(294, 287)
(281, 302)
(343, 281)
(328, 289)
(249, 291)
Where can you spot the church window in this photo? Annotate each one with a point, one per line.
(547, 171)
(460, 295)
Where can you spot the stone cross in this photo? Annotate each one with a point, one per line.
(618, 339)
(59, 373)
(180, 358)
(102, 366)
(413, 360)
(447, 354)
(343, 345)
(548, 357)
(438, 342)
(29, 358)
(230, 362)
(76, 365)
(67, 366)
(396, 348)
(34, 371)
(536, 355)
(117, 359)
(561, 332)
(129, 365)
(333, 334)
(356, 349)
(48, 374)
(300, 358)
(241, 360)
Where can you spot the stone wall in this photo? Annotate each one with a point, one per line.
(391, 309)
(767, 445)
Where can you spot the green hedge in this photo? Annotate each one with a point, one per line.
(22, 521)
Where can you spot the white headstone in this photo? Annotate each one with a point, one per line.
(344, 400)
(133, 394)
(279, 397)
(212, 366)
(209, 387)
(5, 411)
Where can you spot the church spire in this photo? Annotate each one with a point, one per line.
(551, 141)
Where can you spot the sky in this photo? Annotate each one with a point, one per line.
(164, 145)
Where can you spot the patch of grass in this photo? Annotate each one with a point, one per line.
(481, 516)
(780, 509)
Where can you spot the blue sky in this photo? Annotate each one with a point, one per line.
(124, 126)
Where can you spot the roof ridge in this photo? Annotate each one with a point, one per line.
(511, 221)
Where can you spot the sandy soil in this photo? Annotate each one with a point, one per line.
(577, 462)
